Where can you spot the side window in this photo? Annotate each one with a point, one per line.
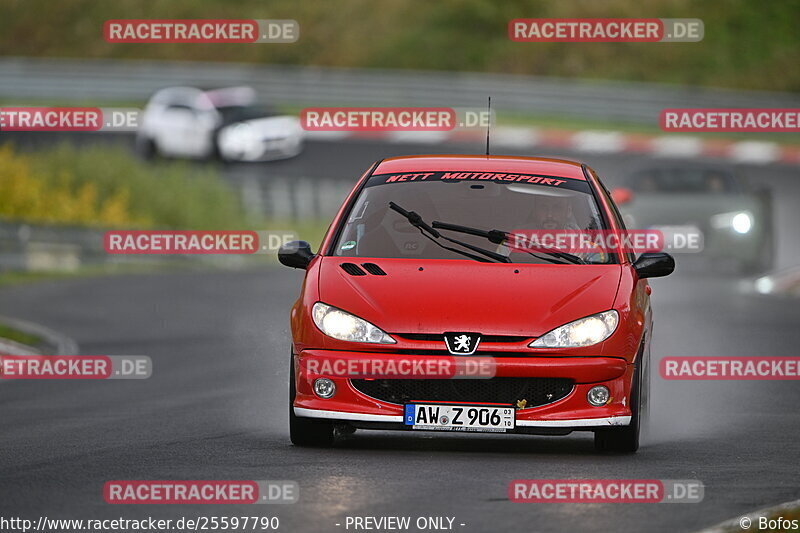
(615, 212)
(184, 107)
(617, 215)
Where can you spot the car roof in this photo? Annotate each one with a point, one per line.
(227, 96)
(481, 163)
(219, 97)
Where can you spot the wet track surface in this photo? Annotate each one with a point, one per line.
(215, 407)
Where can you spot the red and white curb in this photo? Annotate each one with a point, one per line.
(591, 141)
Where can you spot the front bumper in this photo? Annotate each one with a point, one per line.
(726, 244)
(261, 150)
(572, 412)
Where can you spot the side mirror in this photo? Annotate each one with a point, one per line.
(622, 195)
(295, 254)
(654, 265)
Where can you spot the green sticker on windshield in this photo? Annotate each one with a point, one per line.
(349, 245)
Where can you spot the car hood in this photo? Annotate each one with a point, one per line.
(434, 296)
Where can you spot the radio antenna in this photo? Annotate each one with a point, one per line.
(488, 126)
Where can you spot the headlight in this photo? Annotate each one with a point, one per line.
(583, 332)
(243, 133)
(739, 221)
(342, 325)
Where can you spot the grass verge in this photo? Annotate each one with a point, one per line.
(108, 187)
(20, 337)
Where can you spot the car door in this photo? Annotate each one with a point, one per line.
(173, 124)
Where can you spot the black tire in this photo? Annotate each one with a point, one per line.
(215, 154)
(624, 439)
(308, 432)
(146, 148)
(763, 262)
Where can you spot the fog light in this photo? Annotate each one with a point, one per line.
(598, 396)
(324, 388)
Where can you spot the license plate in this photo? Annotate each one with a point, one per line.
(459, 417)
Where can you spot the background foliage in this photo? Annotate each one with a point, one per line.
(748, 44)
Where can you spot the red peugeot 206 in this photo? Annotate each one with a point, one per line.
(419, 312)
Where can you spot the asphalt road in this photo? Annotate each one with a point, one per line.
(215, 407)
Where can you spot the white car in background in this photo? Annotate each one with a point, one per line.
(224, 123)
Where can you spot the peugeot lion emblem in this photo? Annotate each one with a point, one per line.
(462, 343)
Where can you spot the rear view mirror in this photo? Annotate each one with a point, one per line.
(295, 254)
(654, 265)
(622, 195)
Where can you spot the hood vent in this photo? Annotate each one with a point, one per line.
(353, 269)
(373, 269)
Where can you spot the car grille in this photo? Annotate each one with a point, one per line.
(536, 391)
(440, 337)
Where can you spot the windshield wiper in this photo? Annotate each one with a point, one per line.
(499, 237)
(416, 220)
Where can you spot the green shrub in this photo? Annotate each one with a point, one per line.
(106, 186)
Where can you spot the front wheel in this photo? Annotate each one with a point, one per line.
(762, 262)
(624, 439)
(146, 148)
(618, 440)
(303, 431)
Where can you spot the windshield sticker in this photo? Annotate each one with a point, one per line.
(349, 245)
(358, 215)
(495, 177)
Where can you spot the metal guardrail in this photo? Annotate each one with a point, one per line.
(121, 80)
(38, 247)
(291, 199)
(52, 342)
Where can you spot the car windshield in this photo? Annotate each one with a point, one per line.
(512, 203)
(238, 113)
(683, 180)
